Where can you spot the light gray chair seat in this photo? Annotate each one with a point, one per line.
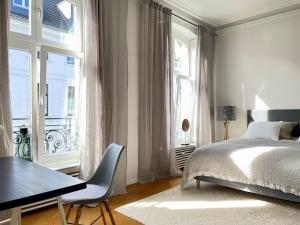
(92, 194)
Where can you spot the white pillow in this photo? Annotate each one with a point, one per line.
(266, 130)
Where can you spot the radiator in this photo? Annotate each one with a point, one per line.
(182, 154)
(72, 171)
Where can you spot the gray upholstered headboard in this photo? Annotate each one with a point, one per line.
(289, 115)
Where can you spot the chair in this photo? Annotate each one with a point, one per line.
(99, 187)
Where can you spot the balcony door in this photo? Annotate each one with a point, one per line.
(44, 66)
(58, 100)
(21, 68)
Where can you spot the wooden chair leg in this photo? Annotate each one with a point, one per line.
(69, 212)
(78, 215)
(102, 213)
(108, 209)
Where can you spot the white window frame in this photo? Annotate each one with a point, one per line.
(34, 43)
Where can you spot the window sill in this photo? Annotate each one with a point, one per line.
(60, 160)
(66, 168)
(62, 165)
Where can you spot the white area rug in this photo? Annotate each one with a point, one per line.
(211, 205)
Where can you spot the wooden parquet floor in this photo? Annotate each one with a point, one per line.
(50, 216)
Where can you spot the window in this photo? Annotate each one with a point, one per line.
(20, 16)
(21, 4)
(60, 23)
(20, 91)
(44, 64)
(61, 127)
(181, 57)
(184, 57)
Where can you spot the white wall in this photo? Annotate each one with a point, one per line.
(133, 51)
(257, 66)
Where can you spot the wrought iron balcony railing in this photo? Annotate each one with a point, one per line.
(60, 134)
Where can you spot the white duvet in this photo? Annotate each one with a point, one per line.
(268, 163)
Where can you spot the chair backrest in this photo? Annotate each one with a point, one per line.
(105, 172)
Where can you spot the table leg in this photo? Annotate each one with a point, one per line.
(16, 216)
(61, 211)
(198, 183)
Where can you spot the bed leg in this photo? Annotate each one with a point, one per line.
(198, 183)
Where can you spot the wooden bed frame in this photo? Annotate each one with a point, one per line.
(289, 115)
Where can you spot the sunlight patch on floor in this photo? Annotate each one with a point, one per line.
(200, 204)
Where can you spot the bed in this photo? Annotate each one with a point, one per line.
(261, 166)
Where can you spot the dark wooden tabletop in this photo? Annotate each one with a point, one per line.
(23, 182)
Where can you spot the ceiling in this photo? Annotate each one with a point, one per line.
(222, 12)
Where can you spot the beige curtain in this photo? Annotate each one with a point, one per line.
(104, 86)
(204, 86)
(5, 110)
(156, 121)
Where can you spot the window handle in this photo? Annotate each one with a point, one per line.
(39, 12)
(46, 100)
(43, 99)
(40, 97)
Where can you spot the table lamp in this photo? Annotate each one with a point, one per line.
(226, 114)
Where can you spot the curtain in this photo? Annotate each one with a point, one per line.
(104, 86)
(5, 108)
(156, 121)
(204, 86)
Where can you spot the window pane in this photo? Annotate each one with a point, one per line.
(193, 47)
(19, 74)
(184, 107)
(181, 58)
(61, 114)
(59, 22)
(20, 16)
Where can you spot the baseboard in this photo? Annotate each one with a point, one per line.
(131, 180)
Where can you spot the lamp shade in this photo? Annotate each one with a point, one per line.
(226, 113)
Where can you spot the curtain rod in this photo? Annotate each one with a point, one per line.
(188, 21)
(185, 20)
